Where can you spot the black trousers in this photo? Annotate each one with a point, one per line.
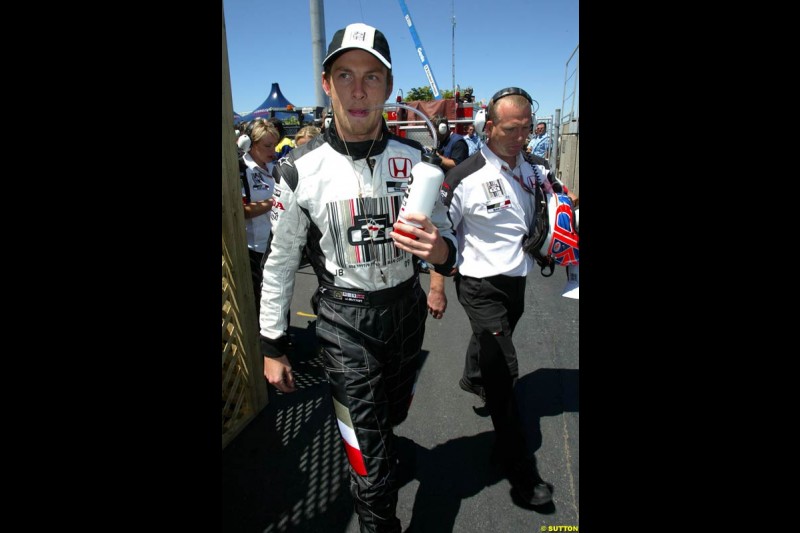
(494, 305)
(372, 360)
(256, 273)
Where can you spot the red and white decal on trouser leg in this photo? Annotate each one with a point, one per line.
(349, 438)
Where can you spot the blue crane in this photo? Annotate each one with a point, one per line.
(420, 51)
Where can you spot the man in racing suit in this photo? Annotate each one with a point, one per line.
(340, 194)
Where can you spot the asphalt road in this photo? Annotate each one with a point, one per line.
(286, 471)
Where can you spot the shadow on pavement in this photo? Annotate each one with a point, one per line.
(447, 474)
(287, 470)
(461, 468)
(545, 392)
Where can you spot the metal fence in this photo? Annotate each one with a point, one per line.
(566, 138)
(570, 103)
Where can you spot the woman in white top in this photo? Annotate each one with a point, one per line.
(258, 185)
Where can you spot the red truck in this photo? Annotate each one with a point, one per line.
(404, 123)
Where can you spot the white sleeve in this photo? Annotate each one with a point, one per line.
(277, 287)
(443, 223)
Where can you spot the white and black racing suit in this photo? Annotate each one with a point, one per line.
(372, 310)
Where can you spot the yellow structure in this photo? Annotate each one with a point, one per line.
(244, 391)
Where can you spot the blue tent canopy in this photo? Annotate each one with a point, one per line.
(274, 100)
(237, 118)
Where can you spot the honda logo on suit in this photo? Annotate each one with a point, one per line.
(399, 167)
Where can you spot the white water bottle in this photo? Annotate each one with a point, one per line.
(423, 189)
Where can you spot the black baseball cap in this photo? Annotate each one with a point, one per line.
(363, 37)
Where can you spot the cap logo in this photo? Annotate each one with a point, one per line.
(358, 36)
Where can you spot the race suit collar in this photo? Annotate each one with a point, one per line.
(358, 149)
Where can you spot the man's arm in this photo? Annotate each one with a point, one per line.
(447, 163)
(255, 209)
(277, 286)
(437, 300)
(459, 153)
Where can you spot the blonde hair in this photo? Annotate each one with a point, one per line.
(260, 128)
(307, 132)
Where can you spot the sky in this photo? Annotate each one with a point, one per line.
(498, 43)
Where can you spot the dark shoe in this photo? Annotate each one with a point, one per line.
(527, 487)
(539, 494)
(474, 389)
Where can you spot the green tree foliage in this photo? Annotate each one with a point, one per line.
(425, 94)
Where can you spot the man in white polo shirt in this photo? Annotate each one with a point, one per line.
(491, 205)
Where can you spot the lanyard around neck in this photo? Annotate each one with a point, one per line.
(518, 179)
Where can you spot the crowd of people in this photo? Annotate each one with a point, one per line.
(327, 200)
